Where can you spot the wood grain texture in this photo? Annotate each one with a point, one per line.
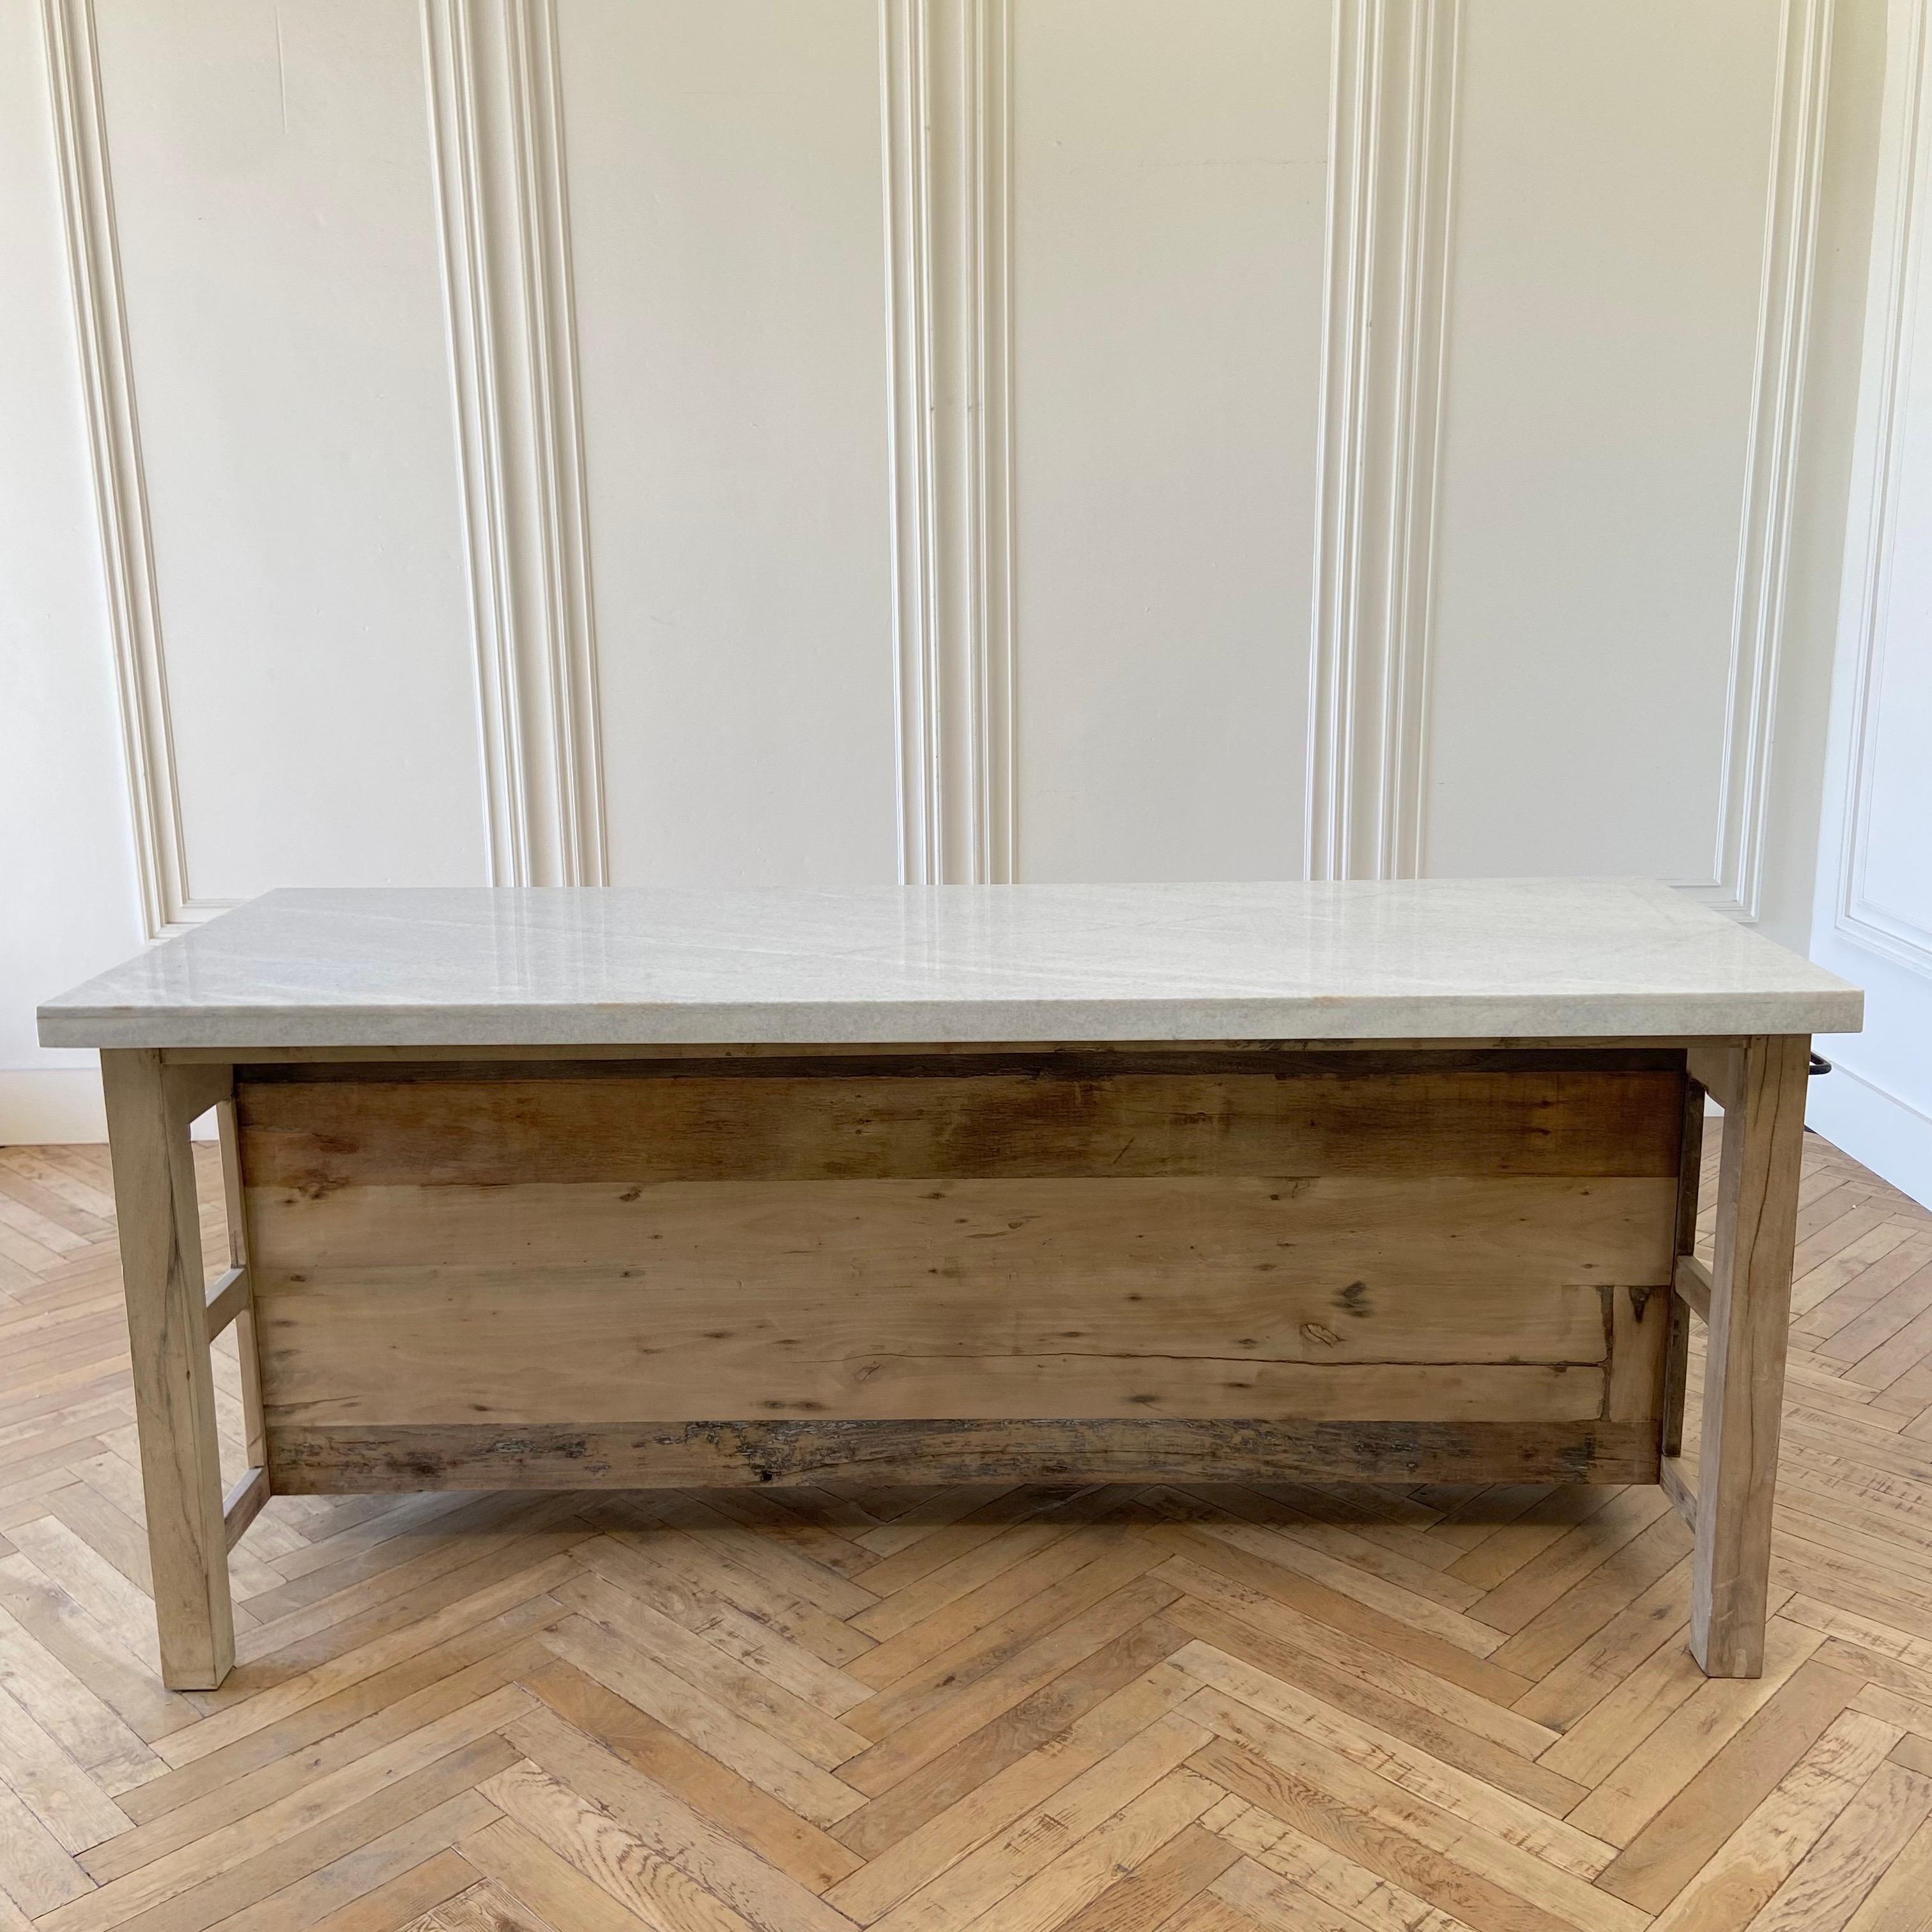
(1338, 1230)
(1071, 1115)
(1197, 1702)
(1743, 1390)
(149, 1110)
(595, 1345)
(324, 1459)
(1251, 1238)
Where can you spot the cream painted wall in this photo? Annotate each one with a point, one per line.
(726, 211)
(841, 440)
(1597, 402)
(278, 261)
(1170, 176)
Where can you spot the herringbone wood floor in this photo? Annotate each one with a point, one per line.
(1021, 1709)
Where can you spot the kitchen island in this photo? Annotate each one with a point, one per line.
(563, 1189)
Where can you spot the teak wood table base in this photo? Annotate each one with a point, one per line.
(1448, 1262)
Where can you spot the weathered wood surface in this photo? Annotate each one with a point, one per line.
(1064, 1115)
(1744, 1387)
(1446, 1231)
(659, 1324)
(592, 1345)
(1206, 1706)
(324, 1458)
(1368, 1237)
(149, 1107)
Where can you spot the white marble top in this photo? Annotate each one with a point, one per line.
(1420, 959)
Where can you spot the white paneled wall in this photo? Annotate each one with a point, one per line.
(559, 441)
(68, 897)
(1170, 174)
(1874, 909)
(727, 215)
(273, 424)
(1597, 461)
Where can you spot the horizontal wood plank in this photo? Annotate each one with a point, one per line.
(480, 1383)
(1078, 1114)
(311, 1459)
(442, 1345)
(1442, 1231)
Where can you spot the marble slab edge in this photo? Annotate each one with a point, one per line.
(912, 1022)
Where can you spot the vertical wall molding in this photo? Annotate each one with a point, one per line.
(120, 488)
(945, 70)
(496, 122)
(1391, 148)
(1771, 461)
(1894, 311)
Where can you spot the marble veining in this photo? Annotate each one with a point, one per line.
(1430, 958)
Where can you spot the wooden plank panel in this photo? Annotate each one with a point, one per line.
(433, 1345)
(720, 1325)
(319, 1459)
(1078, 1114)
(1445, 1231)
(1114, 1238)
(480, 1382)
(1640, 1342)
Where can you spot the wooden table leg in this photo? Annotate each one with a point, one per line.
(149, 1107)
(1763, 1099)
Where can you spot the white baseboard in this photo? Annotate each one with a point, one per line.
(1882, 1129)
(50, 1105)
